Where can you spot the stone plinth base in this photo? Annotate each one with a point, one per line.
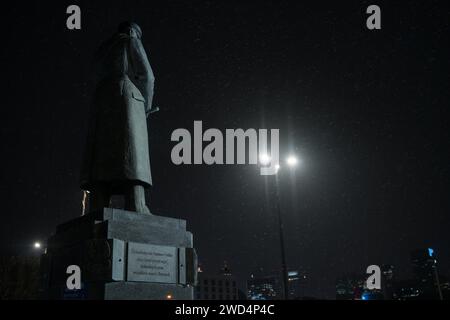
(121, 255)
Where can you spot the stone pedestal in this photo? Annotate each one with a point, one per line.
(121, 255)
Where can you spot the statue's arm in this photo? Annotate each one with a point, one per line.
(142, 72)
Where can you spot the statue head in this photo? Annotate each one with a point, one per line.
(130, 28)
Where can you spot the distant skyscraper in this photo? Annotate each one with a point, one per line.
(387, 281)
(222, 286)
(264, 288)
(350, 288)
(425, 269)
(268, 286)
(353, 287)
(296, 281)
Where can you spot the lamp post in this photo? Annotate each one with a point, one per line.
(284, 270)
(292, 162)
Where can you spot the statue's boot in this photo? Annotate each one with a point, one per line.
(135, 200)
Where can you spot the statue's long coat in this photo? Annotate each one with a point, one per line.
(117, 149)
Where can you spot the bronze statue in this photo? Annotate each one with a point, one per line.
(116, 159)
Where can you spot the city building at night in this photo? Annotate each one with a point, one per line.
(353, 287)
(424, 265)
(264, 288)
(387, 281)
(222, 286)
(297, 281)
(350, 287)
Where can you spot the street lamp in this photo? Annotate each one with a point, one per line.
(292, 162)
(264, 159)
(37, 245)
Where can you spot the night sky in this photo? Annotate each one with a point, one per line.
(367, 111)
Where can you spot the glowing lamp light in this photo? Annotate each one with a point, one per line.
(169, 297)
(292, 161)
(37, 245)
(264, 159)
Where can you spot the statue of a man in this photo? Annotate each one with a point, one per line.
(117, 158)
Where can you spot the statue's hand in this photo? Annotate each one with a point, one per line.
(153, 110)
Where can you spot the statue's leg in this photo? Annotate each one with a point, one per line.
(135, 199)
(99, 198)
